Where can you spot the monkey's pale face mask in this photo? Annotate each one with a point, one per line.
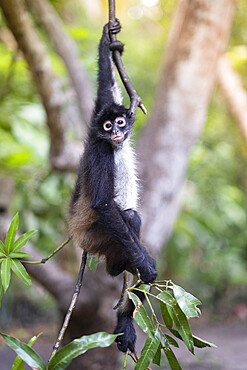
(116, 131)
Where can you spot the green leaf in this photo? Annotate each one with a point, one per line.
(19, 255)
(145, 288)
(166, 298)
(201, 343)
(22, 240)
(92, 262)
(173, 362)
(26, 353)
(79, 346)
(148, 352)
(20, 271)
(187, 302)
(171, 340)
(1, 291)
(140, 315)
(10, 237)
(5, 273)
(182, 325)
(19, 364)
(165, 315)
(157, 356)
(198, 342)
(2, 247)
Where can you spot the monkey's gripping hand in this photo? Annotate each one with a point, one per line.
(109, 31)
(147, 269)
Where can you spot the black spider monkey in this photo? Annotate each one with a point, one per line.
(103, 218)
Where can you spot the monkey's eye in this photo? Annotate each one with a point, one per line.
(107, 126)
(120, 122)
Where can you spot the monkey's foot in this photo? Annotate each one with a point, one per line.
(128, 338)
(147, 270)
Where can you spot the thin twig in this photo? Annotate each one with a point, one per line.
(136, 355)
(133, 358)
(72, 304)
(125, 284)
(135, 100)
(44, 260)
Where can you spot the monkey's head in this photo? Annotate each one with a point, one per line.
(114, 125)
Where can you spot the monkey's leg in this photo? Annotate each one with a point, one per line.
(125, 322)
(116, 260)
(114, 224)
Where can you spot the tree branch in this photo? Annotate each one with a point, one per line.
(38, 60)
(64, 156)
(68, 51)
(236, 96)
(135, 100)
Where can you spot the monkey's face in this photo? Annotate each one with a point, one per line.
(113, 124)
(116, 131)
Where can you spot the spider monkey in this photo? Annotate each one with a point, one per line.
(103, 219)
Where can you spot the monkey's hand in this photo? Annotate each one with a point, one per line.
(147, 269)
(115, 28)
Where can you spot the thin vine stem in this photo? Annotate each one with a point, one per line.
(135, 100)
(72, 305)
(44, 260)
(152, 310)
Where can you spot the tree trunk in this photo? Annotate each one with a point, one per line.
(198, 38)
(234, 93)
(68, 50)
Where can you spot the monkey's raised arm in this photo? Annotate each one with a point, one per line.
(108, 90)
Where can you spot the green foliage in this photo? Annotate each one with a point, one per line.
(177, 306)
(9, 254)
(79, 346)
(63, 357)
(92, 262)
(19, 363)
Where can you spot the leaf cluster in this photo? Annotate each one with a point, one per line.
(62, 358)
(10, 255)
(176, 307)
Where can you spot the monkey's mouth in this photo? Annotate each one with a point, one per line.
(117, 137)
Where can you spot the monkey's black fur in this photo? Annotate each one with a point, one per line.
(102, 216)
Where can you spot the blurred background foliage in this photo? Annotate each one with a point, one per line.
(207, 252)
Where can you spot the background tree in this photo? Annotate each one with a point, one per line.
(197, 40)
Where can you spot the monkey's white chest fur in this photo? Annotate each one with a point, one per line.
(125, 187)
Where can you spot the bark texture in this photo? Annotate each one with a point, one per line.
(198, 38)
